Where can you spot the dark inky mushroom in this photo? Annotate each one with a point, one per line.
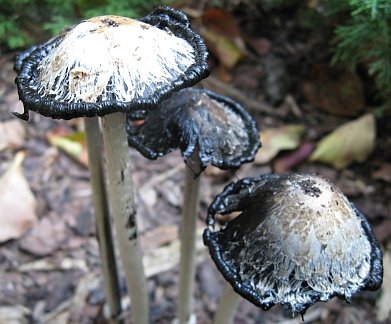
(297, 241)
(208, 128)
(198, 122)
(107, 66)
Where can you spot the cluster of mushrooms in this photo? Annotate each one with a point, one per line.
(297, 239)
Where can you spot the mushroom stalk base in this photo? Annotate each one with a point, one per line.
(228, 305)
(104, 234)
(187, 250)
(121, 202)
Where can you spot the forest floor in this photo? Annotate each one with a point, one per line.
(50, 265)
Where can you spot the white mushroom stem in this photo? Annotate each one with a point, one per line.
(99, 197)
(228, 305)
(121, 202)
(188, 241)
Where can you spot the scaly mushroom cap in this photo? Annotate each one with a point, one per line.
(216, 128)
(298, 240)
(111, 64)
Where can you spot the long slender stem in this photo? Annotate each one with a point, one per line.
(121, 201)
(99, 197)
(228, 305)
(187, 251)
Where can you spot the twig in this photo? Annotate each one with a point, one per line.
(229, 91)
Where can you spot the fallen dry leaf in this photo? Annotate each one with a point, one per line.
(167, 256)
(383, 230)
(223, 48)
(222, 34)
(74, 145)
(45, 238)
(351, 142)
(288, 161)
(16, 314)
(335, 90)
(17, 203)
(61, 314)
(157, 260)
(50, 264)
(383, 172)
(12, 134)
(261, 45)
(222, 22)
(275, 140)
(159, 236)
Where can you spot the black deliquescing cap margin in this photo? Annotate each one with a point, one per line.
(22, 56)
(375, 278)
(223, 204)
(174, 136)
(162, 18)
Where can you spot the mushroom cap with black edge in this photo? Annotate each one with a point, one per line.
(197, 121)
(22, 56)
(297, 241)
(111, 64)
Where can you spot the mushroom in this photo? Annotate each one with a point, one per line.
(297, 240)
(108, 66)
(208, 128)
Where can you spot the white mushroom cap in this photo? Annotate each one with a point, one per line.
(298, 240)
(112, 58)
(111, 64)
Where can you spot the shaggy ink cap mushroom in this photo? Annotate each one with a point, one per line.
(22, 56)
(298, 240)
(217, 129)
(111, 64)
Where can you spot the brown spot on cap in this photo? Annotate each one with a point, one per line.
(114, 21)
